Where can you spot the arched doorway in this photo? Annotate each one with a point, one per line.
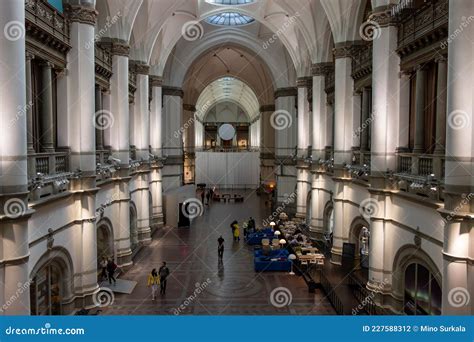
(328, 224)
(51, 284)
(133, 227)
(422, 291)
(359, 236)
(105, 240)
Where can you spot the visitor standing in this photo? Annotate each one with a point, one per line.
(111, 267)
(103, 266)
(153, 281)
(208, 197)
(202, 196)
(220, 247)
(236, 232)
(163, 272)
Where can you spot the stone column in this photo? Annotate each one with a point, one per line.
(319, 109)
(14, 212)
(267, 149)
(99, 133)
(365, 126)
(120, 146)
(303, 116)
(156, 121)
(356, 119)
(82, 123)
(46, 112)
(442, 83)
(458, 212)
(29, 103)
(404, 110)
(420, 110)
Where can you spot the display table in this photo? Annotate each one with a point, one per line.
(274, 260)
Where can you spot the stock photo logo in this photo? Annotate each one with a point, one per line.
(281, 297)
(458, 119)
(103, 119)
(192, 30)
(192, 208)
(14, 208)
(103, 297)
(459, 297)
(369, 30)
(369, 208)
(14, 30)
(281, 119)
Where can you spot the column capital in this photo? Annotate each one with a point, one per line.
(173, 91)
(304, 82)
(346, 49)
(116, 47)
(322, 69)
(382, 16)
(285, 92)
(155, 81)
(139, 67)
(81, 14)
(47, 64)
(29, 56)
(441, 59)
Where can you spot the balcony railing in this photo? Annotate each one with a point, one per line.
(48, 163)
(42, 15)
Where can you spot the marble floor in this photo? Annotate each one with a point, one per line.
(201, 285)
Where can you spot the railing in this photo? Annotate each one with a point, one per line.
(428, 18)
(422, 165)
(44, 16)
(48, 163)
(362, 62)
(365, 297)
(102, 156)
(331, 295)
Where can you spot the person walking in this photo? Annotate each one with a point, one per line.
(208, 197)
(236, 232)
(220, 247)
(202, 196)
(163, 272)
(103, 266)
(153, 281)
(111, 267)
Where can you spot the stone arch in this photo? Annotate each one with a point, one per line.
(355, 231)
(105, 239)
(59, 258)
(133, 226)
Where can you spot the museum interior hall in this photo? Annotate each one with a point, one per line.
(236, 157)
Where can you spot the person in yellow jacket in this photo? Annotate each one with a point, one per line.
(236, 232)
(154, 282)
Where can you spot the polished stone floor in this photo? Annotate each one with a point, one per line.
(200, 285)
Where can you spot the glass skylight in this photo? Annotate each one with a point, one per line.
(229, 19)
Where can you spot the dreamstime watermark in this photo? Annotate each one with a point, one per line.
(46, 330)
(103, 297)
(22, 288)
(14, 30)
(366, 124)
(458, 119)
(21, 111)
(281, 297)
(99, 212)
(466, 199)
(274, 215)
(459, 297)
(369, 299)
(369, 208)
(103, 119)
(200, 287)
(109, 22)
(192, 208)
(281, 119)
(192, 30)
(183, 128)
(369, 30)
(290, 21)
(465, 21)
(14, 208)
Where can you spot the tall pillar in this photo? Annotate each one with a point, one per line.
(120, 146)
(303, 116)
(343, 132)
(404, 110)
(420, 110)
(46, 114)
(82, 121)
(319, 109)
(156, 122)
(384, 143)
(365, 126)
(14, 212)
(267, 149)
(458, 268)
(29, 103)
(99, 133)
(442, 83)
(356, 119)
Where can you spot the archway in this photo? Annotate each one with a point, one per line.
(359, 236)
(105, 240)
(328, 224)
(51, 286)
(133, 227)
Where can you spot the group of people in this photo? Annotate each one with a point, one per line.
(159, 278)
(208, 195)
(108, 268)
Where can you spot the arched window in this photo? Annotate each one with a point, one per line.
(422, 291)
(229, 19)
(230, 2)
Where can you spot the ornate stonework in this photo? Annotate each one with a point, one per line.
(322, 69)
(81, 14)
(285, 92)
(303, 82)
(139, 68)
(155, 81)
(346, 49)
(383, 17)
(173, 91)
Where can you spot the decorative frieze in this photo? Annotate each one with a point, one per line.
(81, 14)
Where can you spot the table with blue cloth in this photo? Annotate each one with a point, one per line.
(273, 260)
(255, 238)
